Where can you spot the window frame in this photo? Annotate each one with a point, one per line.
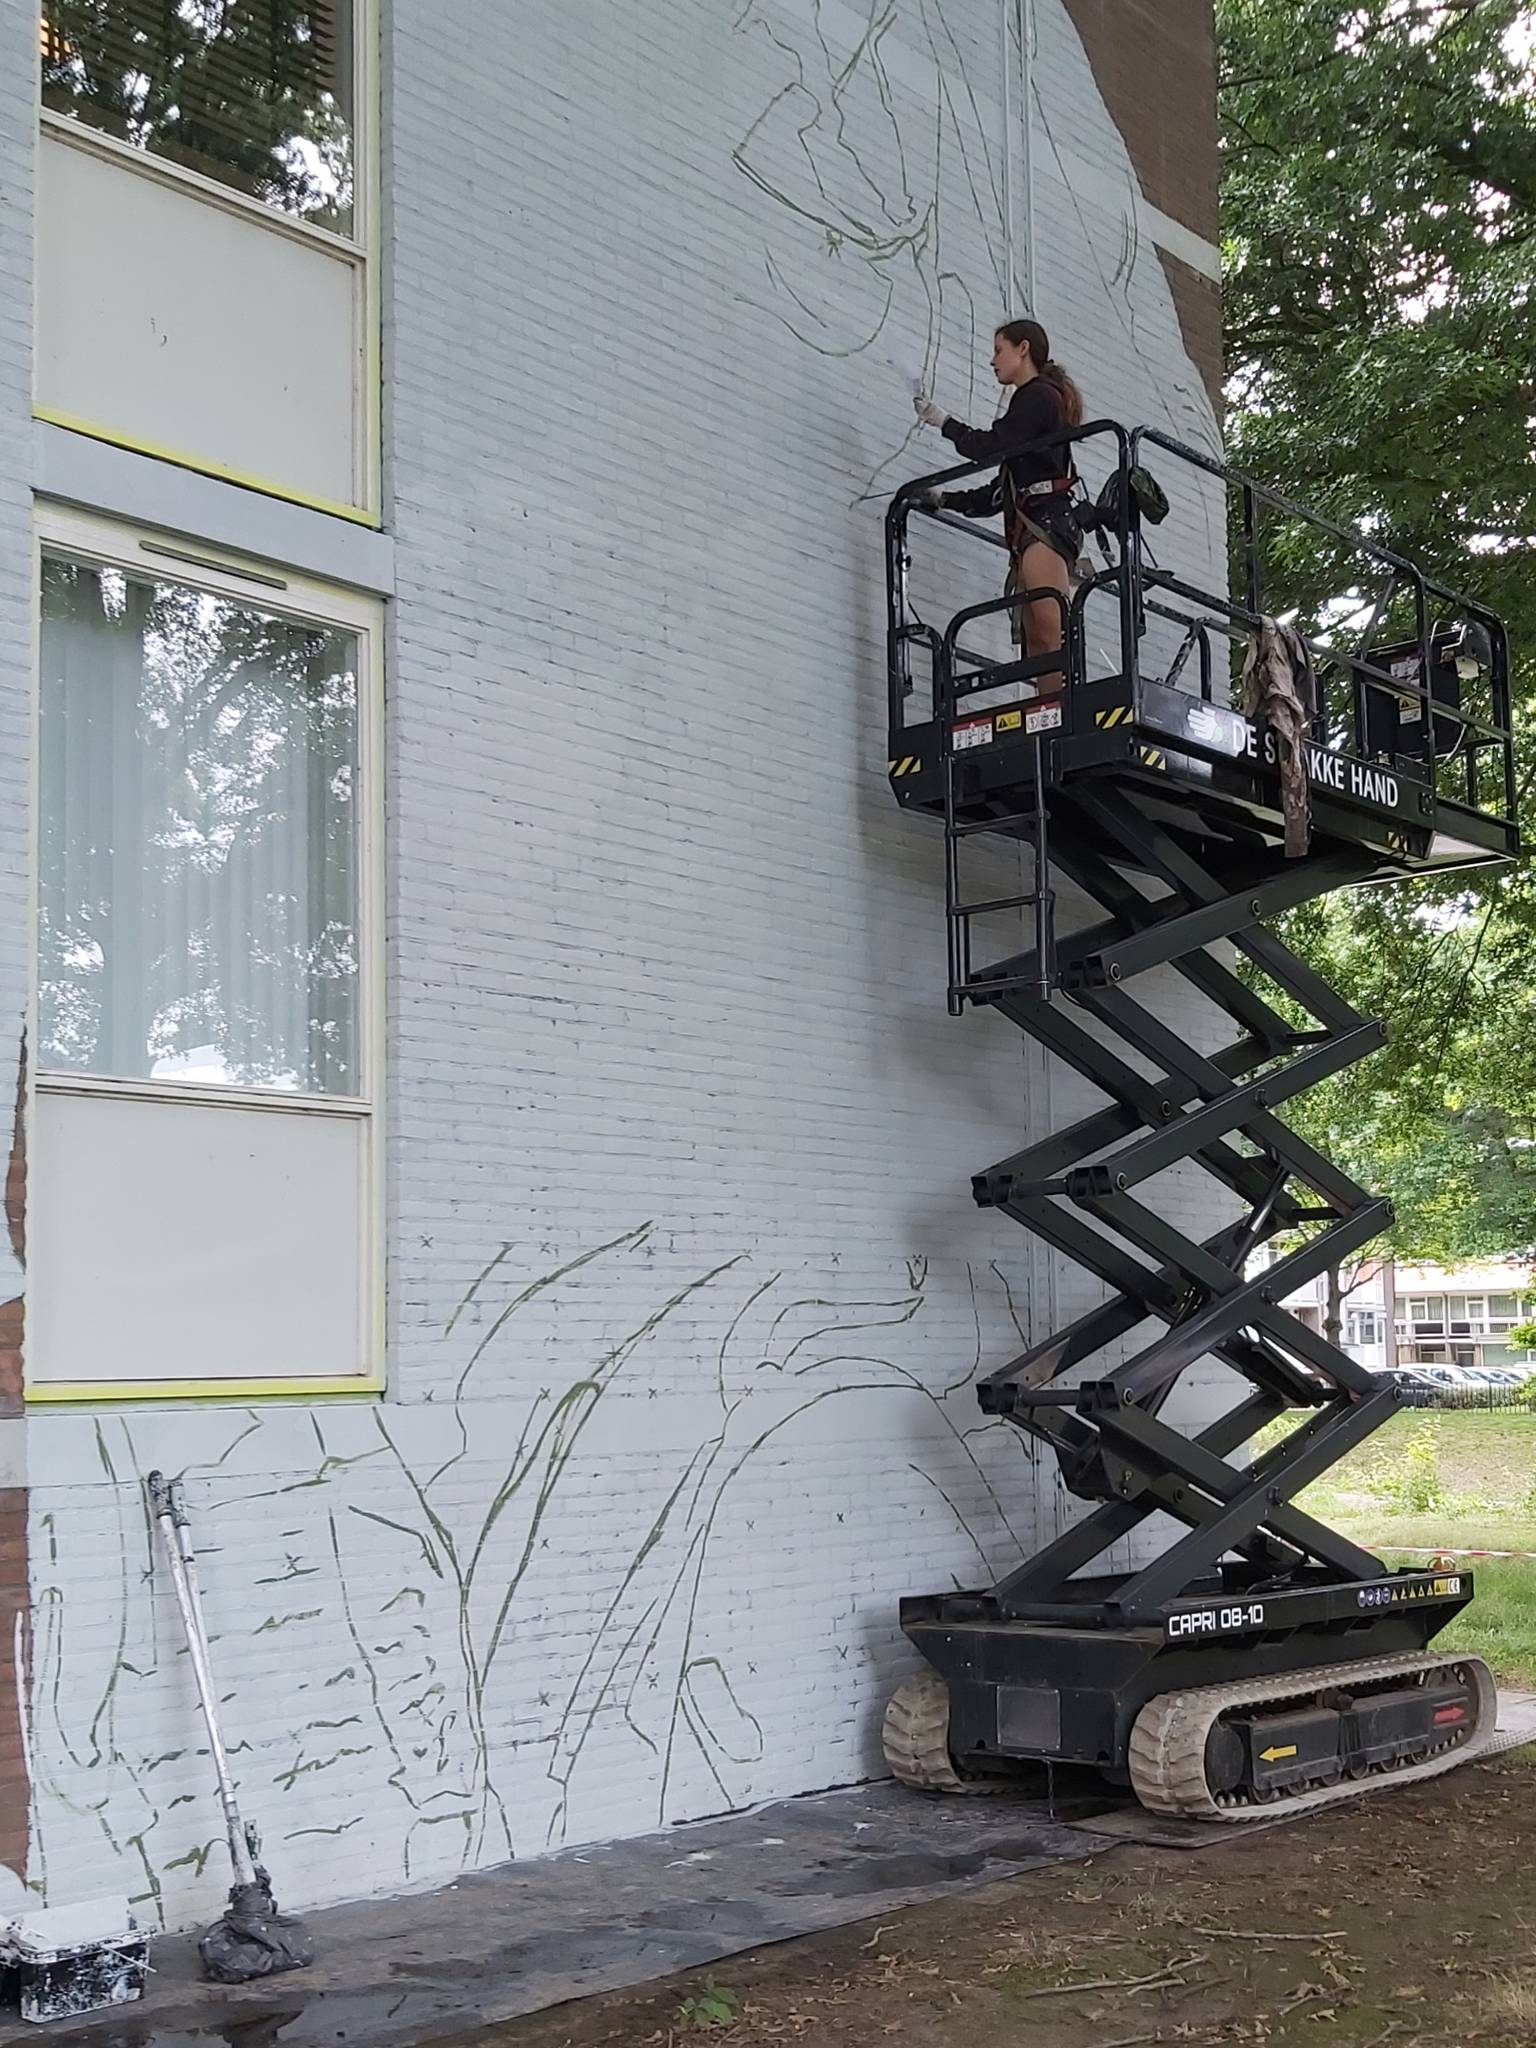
(361, 249)
(169, 557)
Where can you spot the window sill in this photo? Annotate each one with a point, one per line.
(210, 1094)
(368, 515)
(103, 1393)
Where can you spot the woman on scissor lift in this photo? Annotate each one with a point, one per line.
(1032, 487)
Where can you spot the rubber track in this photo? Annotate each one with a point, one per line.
(1167, 1749)
(915, 1737)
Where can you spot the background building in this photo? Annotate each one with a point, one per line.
(484, 1107)
(1462, 1315)
(1367, 1311)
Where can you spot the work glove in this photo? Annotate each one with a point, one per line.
(929, 414)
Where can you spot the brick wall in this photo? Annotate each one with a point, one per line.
(18, 115)
(686, 1288)
(1155, 63)
(15, 1801)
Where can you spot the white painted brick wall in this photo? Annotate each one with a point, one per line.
(18, 116)
(686, 1288)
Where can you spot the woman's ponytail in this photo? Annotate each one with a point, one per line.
(1071, 397)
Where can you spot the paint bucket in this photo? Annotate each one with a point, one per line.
(72, 1959)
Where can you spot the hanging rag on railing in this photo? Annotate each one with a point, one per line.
(1280, 689)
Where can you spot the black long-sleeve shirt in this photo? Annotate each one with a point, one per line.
(1034, 411)
(978, 504)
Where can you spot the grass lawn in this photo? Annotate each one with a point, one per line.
(1500, 1625)
(1444, 1529)
(1481, 1454)
(1457, 1480)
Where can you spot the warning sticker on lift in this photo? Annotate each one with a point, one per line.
(980, 732)
(1401, 1592)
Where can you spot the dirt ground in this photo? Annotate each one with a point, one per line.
(1408, 1920)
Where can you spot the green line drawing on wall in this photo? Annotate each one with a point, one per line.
(858, 263)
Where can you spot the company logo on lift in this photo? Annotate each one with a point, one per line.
(1327, 770)
(1214, 1621)
(1403, 1592)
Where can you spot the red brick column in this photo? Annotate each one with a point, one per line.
(1154, 61)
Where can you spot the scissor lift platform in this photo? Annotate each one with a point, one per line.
(1258, 1658)
(1201, 766)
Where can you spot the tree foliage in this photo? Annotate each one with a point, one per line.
(1379, 209)
(1379, 243)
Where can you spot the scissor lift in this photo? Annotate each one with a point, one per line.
(1258, 1660)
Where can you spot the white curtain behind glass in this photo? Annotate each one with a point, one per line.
(199, 868)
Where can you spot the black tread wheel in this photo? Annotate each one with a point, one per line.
(915, 1735)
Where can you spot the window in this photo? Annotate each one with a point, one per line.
(206, 224)
(259, 95)
(197, 900)
(1364, 1327)
(1503, 1308)
(203, 1171)
(1418, 1311)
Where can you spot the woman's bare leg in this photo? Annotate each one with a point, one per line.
(1043, 569)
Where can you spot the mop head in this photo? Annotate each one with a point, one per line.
(253, 1939)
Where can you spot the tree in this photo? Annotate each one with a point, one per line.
(1379, 246)
(1444, 1119)
(1379, 209)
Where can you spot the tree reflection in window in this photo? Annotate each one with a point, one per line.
(254, 93)
(198, 871)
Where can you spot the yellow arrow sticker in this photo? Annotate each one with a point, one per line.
(1273, 1756)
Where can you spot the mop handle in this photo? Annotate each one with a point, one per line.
(170, 1512)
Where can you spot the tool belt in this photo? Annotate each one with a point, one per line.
(1044, 499)
(1020, 528)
